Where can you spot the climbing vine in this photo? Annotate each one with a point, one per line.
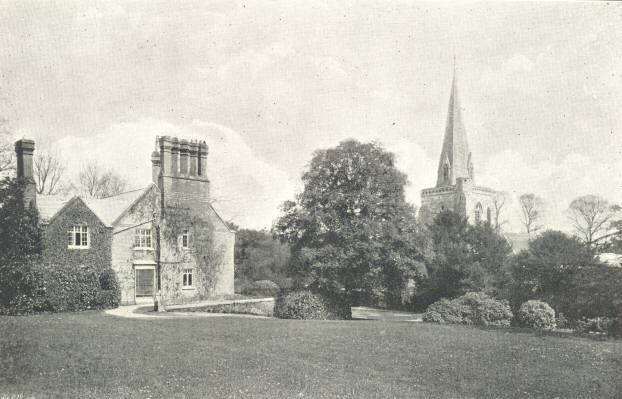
(203, 246)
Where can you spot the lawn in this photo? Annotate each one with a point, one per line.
(93, 355)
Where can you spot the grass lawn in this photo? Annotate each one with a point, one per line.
(93, 355)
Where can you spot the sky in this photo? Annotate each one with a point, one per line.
(268, 83)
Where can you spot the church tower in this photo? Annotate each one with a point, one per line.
(455, 187)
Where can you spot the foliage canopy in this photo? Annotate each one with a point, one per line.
(351, 229)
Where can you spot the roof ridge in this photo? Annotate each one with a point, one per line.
(127, 192)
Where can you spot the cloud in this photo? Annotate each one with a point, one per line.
(519, 62)
(245, 188)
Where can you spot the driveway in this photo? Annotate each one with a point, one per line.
(145, 311)
(365, 313)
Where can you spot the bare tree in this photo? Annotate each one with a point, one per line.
(97, 183)
(6, 147)
(48, 170)
(593, 217)
(498, 202)
(531, 212)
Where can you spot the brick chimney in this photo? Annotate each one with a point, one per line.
(182, 176)
(24, 150)
(155, 167)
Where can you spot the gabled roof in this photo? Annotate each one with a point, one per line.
(49, 205)
(108, 210)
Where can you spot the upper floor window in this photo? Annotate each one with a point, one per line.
(478, 213)
(446, 172)
(78, 237)
(142, 238)
(185, 239)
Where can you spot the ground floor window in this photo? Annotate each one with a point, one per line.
(187, 278)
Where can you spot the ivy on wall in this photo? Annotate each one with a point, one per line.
(203, 248)
(55, 248)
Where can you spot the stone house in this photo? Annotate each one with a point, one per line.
(455, 184)
(165, 237)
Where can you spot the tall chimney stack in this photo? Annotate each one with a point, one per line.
(155, 167)
(24, 150)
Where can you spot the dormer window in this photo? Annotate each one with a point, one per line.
(78, 237)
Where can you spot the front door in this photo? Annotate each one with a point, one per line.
(145, 281)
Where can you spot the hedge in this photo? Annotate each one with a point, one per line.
(307, 305)
(31, 286)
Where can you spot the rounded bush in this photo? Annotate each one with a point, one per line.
(537, 314)
(262, 288)
(474, 308)
(306, 305)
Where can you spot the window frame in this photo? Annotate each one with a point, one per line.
(85, 236)
(478, 213)
(141, 236)
(185, 236)
(187, 279)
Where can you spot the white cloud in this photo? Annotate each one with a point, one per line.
(246, 189)
(519, 62)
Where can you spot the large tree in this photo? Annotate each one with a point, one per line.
(465, 258)
(531, 212)
(593, 218)
(258, 256)
(351, 229)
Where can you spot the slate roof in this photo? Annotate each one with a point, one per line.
(107, 209)
(49, 205)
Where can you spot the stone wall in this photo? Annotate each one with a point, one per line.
(124, 257)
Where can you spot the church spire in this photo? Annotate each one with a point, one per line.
(455, 161)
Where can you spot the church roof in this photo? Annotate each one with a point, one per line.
(455, 146)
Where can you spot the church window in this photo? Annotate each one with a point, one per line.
(446, 172)
(488, 215)
(478, 213)
(185, 239)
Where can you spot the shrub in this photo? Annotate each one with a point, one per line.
(31, 286)
(262, 288)
(600, 325)
(310, 306)
(472, 308)
(537, 314)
